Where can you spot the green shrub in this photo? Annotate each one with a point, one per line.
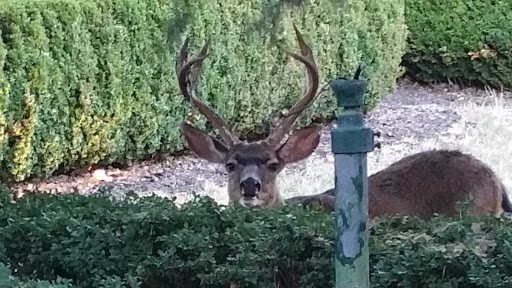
(467, 41)
(8, 281)
(150, 242)
(89, 81)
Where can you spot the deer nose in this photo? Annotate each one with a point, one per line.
(249, 187)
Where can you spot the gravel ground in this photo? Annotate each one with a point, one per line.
(411, 111)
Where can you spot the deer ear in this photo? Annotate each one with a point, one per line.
(203, 145)
(300, 144)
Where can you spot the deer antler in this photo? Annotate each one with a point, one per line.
(282, 125)
(188, 73)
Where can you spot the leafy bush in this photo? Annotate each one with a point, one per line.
(469, 41)
(89, 81)
(150, 242)
(8, 281)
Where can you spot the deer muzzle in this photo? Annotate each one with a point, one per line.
(250, 183)
(249, 188)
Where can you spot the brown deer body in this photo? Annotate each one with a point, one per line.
(418, 185)
(429, 182)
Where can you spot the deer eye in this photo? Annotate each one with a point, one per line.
(273, 166)
(230, 167)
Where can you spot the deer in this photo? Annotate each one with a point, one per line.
(427, 183)
(252, 167)
(418, 185)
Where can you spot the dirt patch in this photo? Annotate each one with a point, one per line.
(411, 111)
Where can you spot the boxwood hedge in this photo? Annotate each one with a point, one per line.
(466, 42)
(92, 81)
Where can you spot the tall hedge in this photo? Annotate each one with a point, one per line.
(88, 81)
(466, 41)
(91, 241)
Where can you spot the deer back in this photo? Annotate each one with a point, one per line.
(434, 182)
(426, 183)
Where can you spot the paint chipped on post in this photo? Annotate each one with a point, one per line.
(351, 141)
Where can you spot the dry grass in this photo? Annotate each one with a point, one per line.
(485, 134)
(489, 133)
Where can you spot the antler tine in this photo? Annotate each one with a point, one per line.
(188, 73)
(282, 125)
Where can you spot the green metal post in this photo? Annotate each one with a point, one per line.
(351, 140)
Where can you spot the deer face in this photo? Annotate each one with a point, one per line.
(252, 167)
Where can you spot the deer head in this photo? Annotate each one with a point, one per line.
(252, 166)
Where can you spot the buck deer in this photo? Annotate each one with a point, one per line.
(418, 185)
(252, 166)
(426, 183)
